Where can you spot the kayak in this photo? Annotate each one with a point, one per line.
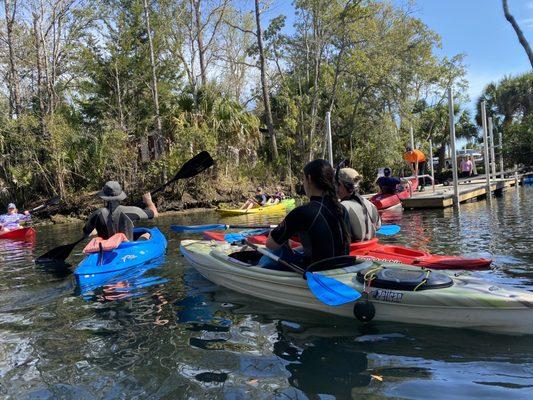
(27, 234)
(280, 207)
(126, 255)
(397, 292)
(374, 250)
(384, 201)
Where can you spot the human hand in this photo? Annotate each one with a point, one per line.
(26, 212)
(147, 198)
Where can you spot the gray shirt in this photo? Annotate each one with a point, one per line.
(364, 218)
(121, 220)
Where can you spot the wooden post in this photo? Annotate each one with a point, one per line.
(328, 137)
(452, 149)
(431, 158)
(501, 155)
(492, 156)
(485, 146)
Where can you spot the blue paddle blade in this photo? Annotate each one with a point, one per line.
(330, 291)
(197, 228)
(238, 236)
(389, 230)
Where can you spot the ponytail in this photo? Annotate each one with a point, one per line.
(321, 173)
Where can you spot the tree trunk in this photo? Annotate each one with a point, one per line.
(519, 33)
(38, 64)
(155, 94)
(199, 39)
(264, 84)
(119, 100)
(13, 78)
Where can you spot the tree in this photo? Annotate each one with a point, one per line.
(521, 38)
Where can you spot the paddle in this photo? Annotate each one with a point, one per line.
(52, 202)
(386, 230)
(215, 227)
(328, 290)
(193, 167)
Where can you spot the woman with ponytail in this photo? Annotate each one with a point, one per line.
(322, 224)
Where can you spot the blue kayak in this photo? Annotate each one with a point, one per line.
(127, 255)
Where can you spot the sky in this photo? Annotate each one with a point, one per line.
(479, 29)
(476, 28)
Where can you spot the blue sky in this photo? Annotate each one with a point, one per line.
(479, 29)
(476, 28)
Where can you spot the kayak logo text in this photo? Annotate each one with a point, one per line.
(128, 257)
(387, 295)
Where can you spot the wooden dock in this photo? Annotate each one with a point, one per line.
(443, 195)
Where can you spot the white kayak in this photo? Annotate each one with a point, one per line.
(397, 292)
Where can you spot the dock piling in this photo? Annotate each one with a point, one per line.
(452, 149)
(485, 147)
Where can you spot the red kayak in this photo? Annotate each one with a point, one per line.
(27, 234)
(373, 250)
(384, 201)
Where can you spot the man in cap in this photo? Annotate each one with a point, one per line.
(10, 221)
(115, 218)
(387, 183)
(364, 216)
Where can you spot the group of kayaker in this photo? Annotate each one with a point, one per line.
(417, 163)
(326, 226)
(260, 199)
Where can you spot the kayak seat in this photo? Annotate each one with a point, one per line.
(406, 279)
(333, 263)
(250, 257)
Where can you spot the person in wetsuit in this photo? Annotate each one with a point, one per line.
(364, 216)
(322, 224)
(115, 218)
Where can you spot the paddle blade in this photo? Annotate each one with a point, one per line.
(58, 254)
(389, 230)
(197, 228)
(330, 291)
(195, 165)
(239, 236)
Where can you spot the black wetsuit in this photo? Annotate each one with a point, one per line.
(120, 220)
(319, 229)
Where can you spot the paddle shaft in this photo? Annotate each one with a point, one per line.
(275, 257)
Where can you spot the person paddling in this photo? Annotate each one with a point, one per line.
(115, 218)
(11, 220)
(322, 224)
(258, 200)
(364, 216)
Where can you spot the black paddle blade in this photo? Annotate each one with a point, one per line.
(195, 165)
(58, 254)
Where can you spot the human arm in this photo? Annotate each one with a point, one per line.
(289, 227)
(147, 199)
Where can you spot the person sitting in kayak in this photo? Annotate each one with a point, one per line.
(258, 200)
(11, 220)
(387, 184)
(276, 197)
(115, 218)
(322, 225)
(364, 216)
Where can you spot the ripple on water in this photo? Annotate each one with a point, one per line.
(166, 332)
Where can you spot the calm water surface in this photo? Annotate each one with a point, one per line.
(167, 333)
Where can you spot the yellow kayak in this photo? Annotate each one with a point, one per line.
(258, 210)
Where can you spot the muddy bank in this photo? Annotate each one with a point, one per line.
(192, 198)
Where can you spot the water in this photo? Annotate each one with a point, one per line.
(165, 332)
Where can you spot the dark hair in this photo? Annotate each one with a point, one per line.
(386, 171)
(321, 173)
